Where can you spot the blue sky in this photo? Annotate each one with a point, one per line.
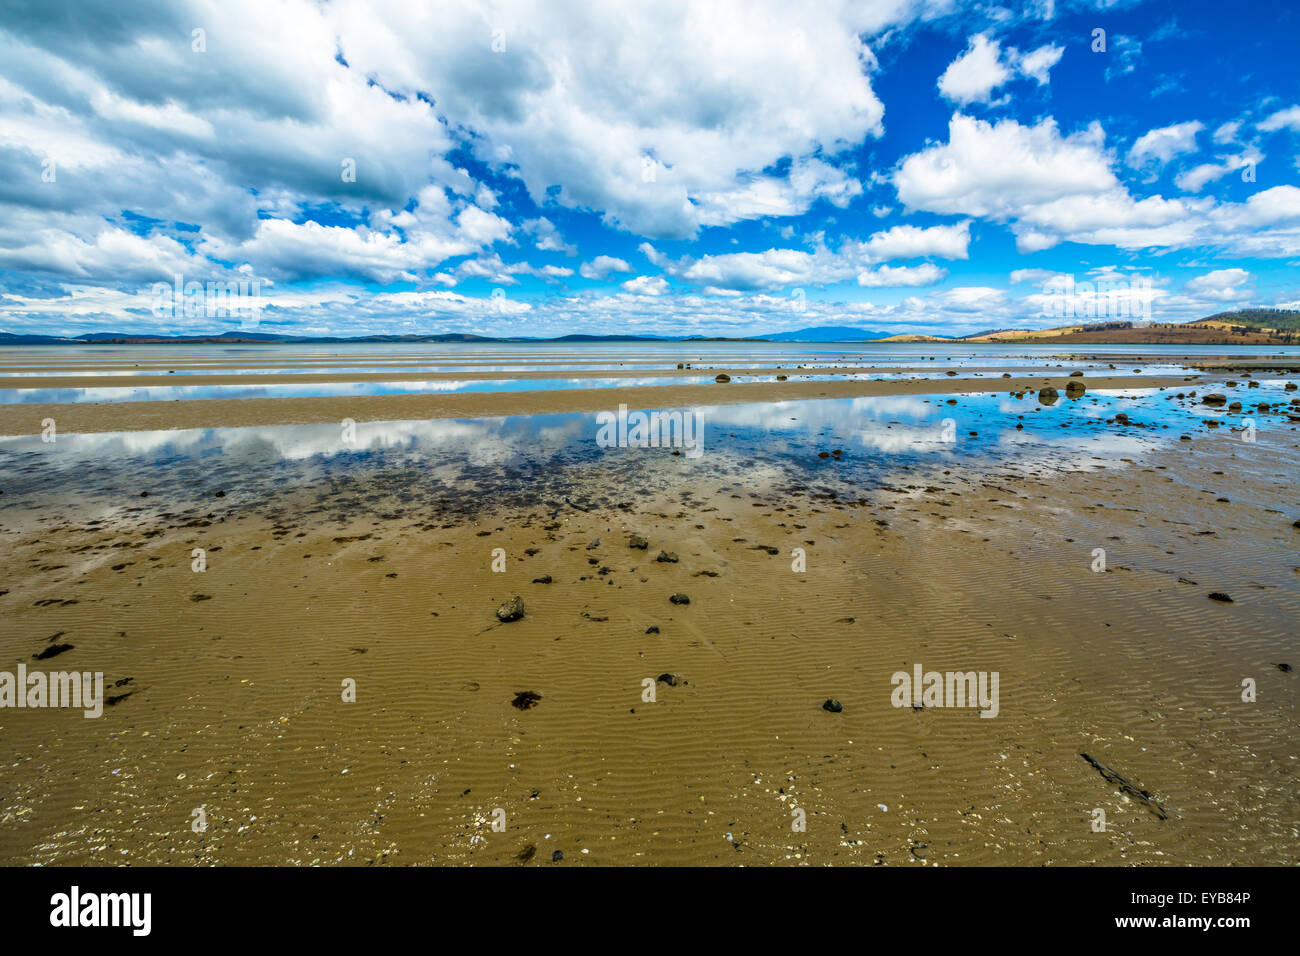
(658, 168)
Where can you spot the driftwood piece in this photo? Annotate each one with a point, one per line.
(1127, 786)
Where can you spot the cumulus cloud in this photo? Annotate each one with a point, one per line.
(976, 73)
(646, 285)
(1221, 284)
(778, 268)
(601, 266)
(1159, 146)
(622, 113)
(983, 67)
(997, 169)
(1053, 188)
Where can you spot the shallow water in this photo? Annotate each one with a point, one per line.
(868, 437)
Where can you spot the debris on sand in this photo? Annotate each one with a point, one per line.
(525, 699)
(1126, 786)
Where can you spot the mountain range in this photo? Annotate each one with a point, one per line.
(1256, 326)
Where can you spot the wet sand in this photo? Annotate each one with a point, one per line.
(231, 678)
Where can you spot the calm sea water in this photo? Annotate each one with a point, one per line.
(875, 436)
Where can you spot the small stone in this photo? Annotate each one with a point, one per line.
(832, 705)
(544, 579)
(525, 700)
(680, 599)
(1220, 596)
(652, 629)
(511, 610)
(1215, 399)
(723, 377)
(638, 542)
(667, 557)
(1047, 395)
(670, 679)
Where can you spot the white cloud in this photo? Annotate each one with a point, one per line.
(778, 268)
(896, 276)
(646, 285)
(1195, 179)
(1037, 64)
(1221, 284)
(1034, 276)
(1227, 133)
(546, 237)
(753, 270)
(909, 242)
(1288, 118)
(601, 266)
(1159, 146)
(983, 67)
(1053, 188)
(976, 73)
(620, 104)
(997, 169)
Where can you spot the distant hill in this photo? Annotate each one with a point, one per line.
(1244, 327)
(820, 334)
(1201, 332)
(825, 333)
(912, 337)
(1279, 319)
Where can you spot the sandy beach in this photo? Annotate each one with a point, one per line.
(825, 541)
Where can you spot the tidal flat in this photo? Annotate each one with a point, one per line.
(293, 599)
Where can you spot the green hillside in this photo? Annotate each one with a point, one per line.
(1260, 318)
